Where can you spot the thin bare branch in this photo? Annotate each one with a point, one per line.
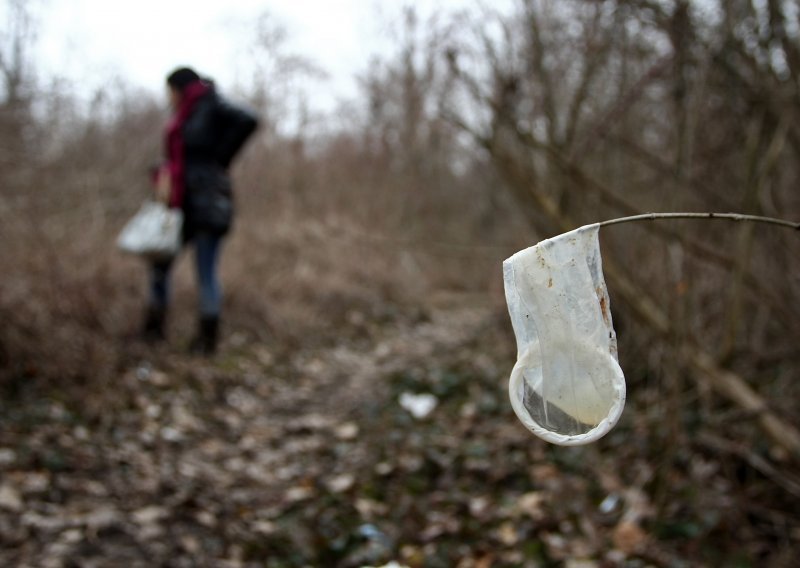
(707, 216)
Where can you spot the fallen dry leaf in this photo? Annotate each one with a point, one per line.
(341, 483)
(507, 534)
(530, 504)
(10, 499)
(347, 431)
(149, 515)
(628, 537)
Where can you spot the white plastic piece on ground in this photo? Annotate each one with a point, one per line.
(567, 386)
(419, 405)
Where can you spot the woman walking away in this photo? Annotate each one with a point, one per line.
(204, 135)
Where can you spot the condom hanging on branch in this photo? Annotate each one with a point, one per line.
(566, 386)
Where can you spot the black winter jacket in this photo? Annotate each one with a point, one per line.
(212, 135)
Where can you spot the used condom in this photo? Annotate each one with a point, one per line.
(566, 386)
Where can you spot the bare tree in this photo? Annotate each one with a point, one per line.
(568, 89)
(16, 74)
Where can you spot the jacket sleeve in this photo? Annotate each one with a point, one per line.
(236, 125)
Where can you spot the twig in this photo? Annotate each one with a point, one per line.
(782, 480)
(734, 388)
(728, 216)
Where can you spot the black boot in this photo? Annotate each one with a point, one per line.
(153, 330)
(205, 342)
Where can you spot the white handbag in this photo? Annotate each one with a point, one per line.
(154, 232)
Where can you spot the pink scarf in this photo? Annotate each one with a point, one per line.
(176, 164)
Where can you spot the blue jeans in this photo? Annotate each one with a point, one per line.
(206, 254)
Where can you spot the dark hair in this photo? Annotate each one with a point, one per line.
(182, 77)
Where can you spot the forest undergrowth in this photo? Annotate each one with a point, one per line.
(281, 452)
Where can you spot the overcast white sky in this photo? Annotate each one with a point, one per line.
(90, 41)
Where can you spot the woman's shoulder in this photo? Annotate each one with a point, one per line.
(234, 111)
(204, 109)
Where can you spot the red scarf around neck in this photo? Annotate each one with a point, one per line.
(176, 163)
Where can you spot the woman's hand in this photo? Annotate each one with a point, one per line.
(163, 188)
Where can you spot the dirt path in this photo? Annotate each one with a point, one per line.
(305, 457)
(210, 458)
